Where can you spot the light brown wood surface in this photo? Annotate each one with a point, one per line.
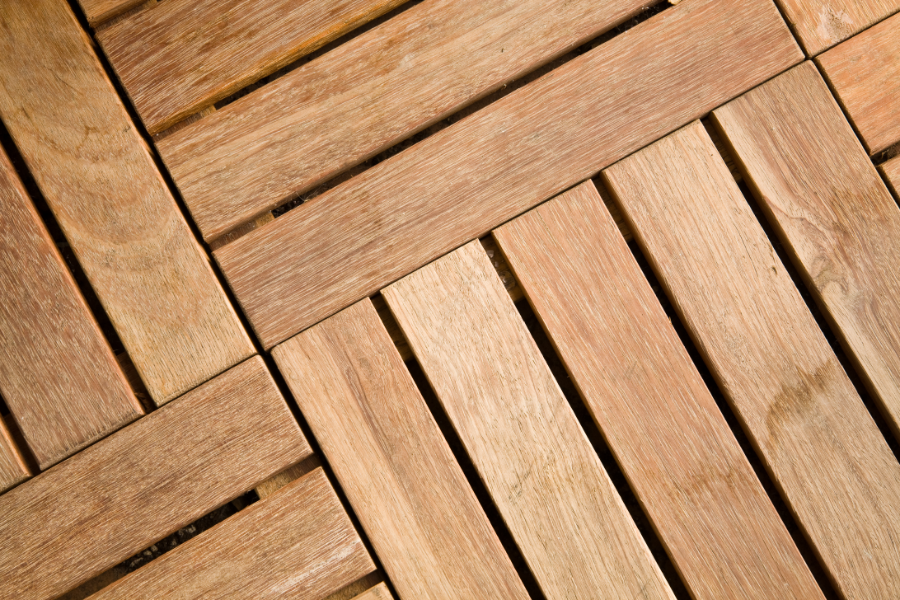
(761, 343)
(820, 24)
(142, 483)
(297, 544)
(388, 454)
(186, 54)
(864, 71)
(461, 182)
(58, 376)
(520, 432)
(379, 592)
(13, 469)
(661, 423)
(891, 170)
(98, 11)
(98, 178)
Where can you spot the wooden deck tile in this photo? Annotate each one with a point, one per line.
(144, 482)
(820, 24)
(13, 469)
(99, 180)
(398, 472)
(741, 308)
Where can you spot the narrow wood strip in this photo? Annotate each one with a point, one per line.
(379, 592)
(58, 376)
(663, 426)
(98, 11)
(891, 170)
(461, 182)
(520, 432)
(142, 483)
(812, 431)
(98, 178)
(398, 472)
(820, 24)
(13, 469)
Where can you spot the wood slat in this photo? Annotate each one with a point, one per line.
(461, 182)
(820, 24)
(398, 472)
(98, 178)
(144, 482)
(520, 432)
(299, 544)
(57, 374)
(663, 426)
(98, 11)
(13, 469)
(891, 170)
(811, 429)
(379, 592)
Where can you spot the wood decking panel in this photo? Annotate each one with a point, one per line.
(13, 469)
(820, 24)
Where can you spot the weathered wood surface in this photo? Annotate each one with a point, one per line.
(297, 544)
(461, 182)
(379, 592)
(820, 24)
(891, 170)
(186, 54)
(366, 95)
(661, 423)
(144, 482)
(98, 178)
(772, 362)
(398, 472)
(13, 469)
(864, 71)
(98, 11)
(57, 374)
(520, 432)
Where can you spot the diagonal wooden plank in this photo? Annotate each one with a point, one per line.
(379, 592)
(663, 426)
(811, 429)
(820, 24)
(98, 178)
(13, 469)
(399, 474)
(520, 432)
(461, 182)
(98, 11)
(144, 482)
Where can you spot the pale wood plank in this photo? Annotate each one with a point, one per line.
(98, 178)
(821, 447)
(820, 24)
(661, 423)
(379, 592)
(13, 469)
(520, 432)
(398, 472)
(891, 170)
(98, 11)
(459, 183)
(58, 376)
(144, 482)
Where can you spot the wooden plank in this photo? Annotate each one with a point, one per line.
(379, 592)
(891, 170)
(144, 482)
(58, 376)
(398, 472)
(299, 543)
(864, 71)
(520, 432)
(188, 54)
(820, 24)
(13, 469)
(98, 11)
(98, 178)
(459, 183)
(661, 423)
(761, 343)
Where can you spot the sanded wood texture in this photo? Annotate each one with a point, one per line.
(13, 469)
(98, 178)
(820, 24)
(144, 482)
(297, 544)
(672, 442)
(366, 95)
(398, 472)
(379, 592)
(772, 362)
(459, 183)
(98, 11)
(57, 374)
(520, 432)
(184, 55)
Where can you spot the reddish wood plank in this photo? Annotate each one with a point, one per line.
(98, 11)
(13, 469)
(820, 24)
(144, 482)
(812, 431)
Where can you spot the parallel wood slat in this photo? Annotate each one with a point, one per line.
(891, 170)
(820, 24)
(520, 432)
(116, 212)
(144, 482)
(98, 11)
(811, 429)
(710, 511)
(379, 592)
(13, 469)
(398, 472)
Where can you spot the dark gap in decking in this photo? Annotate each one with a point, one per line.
(19, 441)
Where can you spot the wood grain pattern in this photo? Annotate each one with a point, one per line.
(891, 170)
(398, 472)
(13, 469)
(142, 483)
(98, 178)
(187, 54)
(297, 544)
(379, 592)
(57, 374)
(663, 426)
(461, 182)
(812, 431)
(98, 11)
(520, 432)
(820, 24)
(864, 71)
